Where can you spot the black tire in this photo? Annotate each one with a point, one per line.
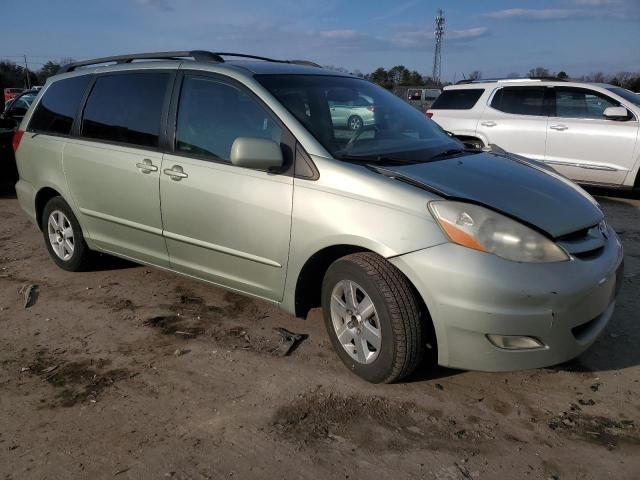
(80, 259)
(356, 120)
(400, 314)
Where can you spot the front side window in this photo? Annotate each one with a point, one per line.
(212, 114)
(126, 108)
(520, 100)
(581, 103)
(57, 109)
(388, 128)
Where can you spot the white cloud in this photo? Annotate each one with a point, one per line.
(159, 4)
(576, 9)
(418, 38)
(339, 34)
(532, 14)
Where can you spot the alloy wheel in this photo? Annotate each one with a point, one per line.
(60, 235)
(355, 321)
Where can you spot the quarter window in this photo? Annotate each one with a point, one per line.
(212, 114)
(460, 99)
(520, 100)
(581, 103)
(57, 109)
(126, 108)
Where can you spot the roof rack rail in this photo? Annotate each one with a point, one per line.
(197, 55)
(509, 79)
(267, 59)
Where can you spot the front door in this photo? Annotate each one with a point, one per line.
(113, 169)
(585, 146)
(516, 120)
(225, 224)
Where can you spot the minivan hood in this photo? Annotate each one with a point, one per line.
(513, 186)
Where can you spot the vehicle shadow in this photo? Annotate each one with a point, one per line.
(104, 262)
(615, 193)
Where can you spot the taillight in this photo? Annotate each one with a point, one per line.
(429, 114)
(371, 108)
(16, 139)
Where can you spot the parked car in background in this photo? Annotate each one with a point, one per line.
(419, 97)
(231, 172)
(10, 119)
(422, 98)
(18, 105)
(586, 131)
(9, 93)
(9, 172)
(349, 112)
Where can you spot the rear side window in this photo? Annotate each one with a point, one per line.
(57, 109)
(463, 99)
(520, 100)
(126, 108)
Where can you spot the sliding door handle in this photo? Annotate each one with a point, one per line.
(176, 173)
(559, 127)
(488, 123)
(146, 166)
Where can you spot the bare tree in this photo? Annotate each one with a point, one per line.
(475, 75)
(539, 72)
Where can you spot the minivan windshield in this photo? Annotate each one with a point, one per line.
(626, 94)
(356, 120)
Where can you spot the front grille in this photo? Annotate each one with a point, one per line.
(584, 244)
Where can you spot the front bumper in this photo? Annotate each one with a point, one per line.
(471, 294)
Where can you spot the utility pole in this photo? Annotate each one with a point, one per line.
(437, 54)
(26, 73)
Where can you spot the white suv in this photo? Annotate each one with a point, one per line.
(586, 131)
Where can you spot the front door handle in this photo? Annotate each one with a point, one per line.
(146, 166)
(559, 127)
(488, 123)
(176, 173)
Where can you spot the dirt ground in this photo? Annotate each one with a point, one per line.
(132, 373)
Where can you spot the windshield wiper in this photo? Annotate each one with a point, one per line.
(450, 153)
(376, 159)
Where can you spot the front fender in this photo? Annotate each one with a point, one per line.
(391, 220)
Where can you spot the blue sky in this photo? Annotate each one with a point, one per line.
(494, 36)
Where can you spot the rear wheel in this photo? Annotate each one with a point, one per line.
(374, 317)
(63, 236)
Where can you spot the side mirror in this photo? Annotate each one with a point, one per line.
(256, 153)
(615, 113)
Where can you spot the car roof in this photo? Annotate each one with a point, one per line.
(524, 82)
(265, 68)
(198, 59)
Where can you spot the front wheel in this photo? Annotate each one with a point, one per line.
(374, 317)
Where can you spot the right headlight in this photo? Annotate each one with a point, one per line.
(482, 229)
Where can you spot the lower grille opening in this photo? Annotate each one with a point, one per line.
(583, 330)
